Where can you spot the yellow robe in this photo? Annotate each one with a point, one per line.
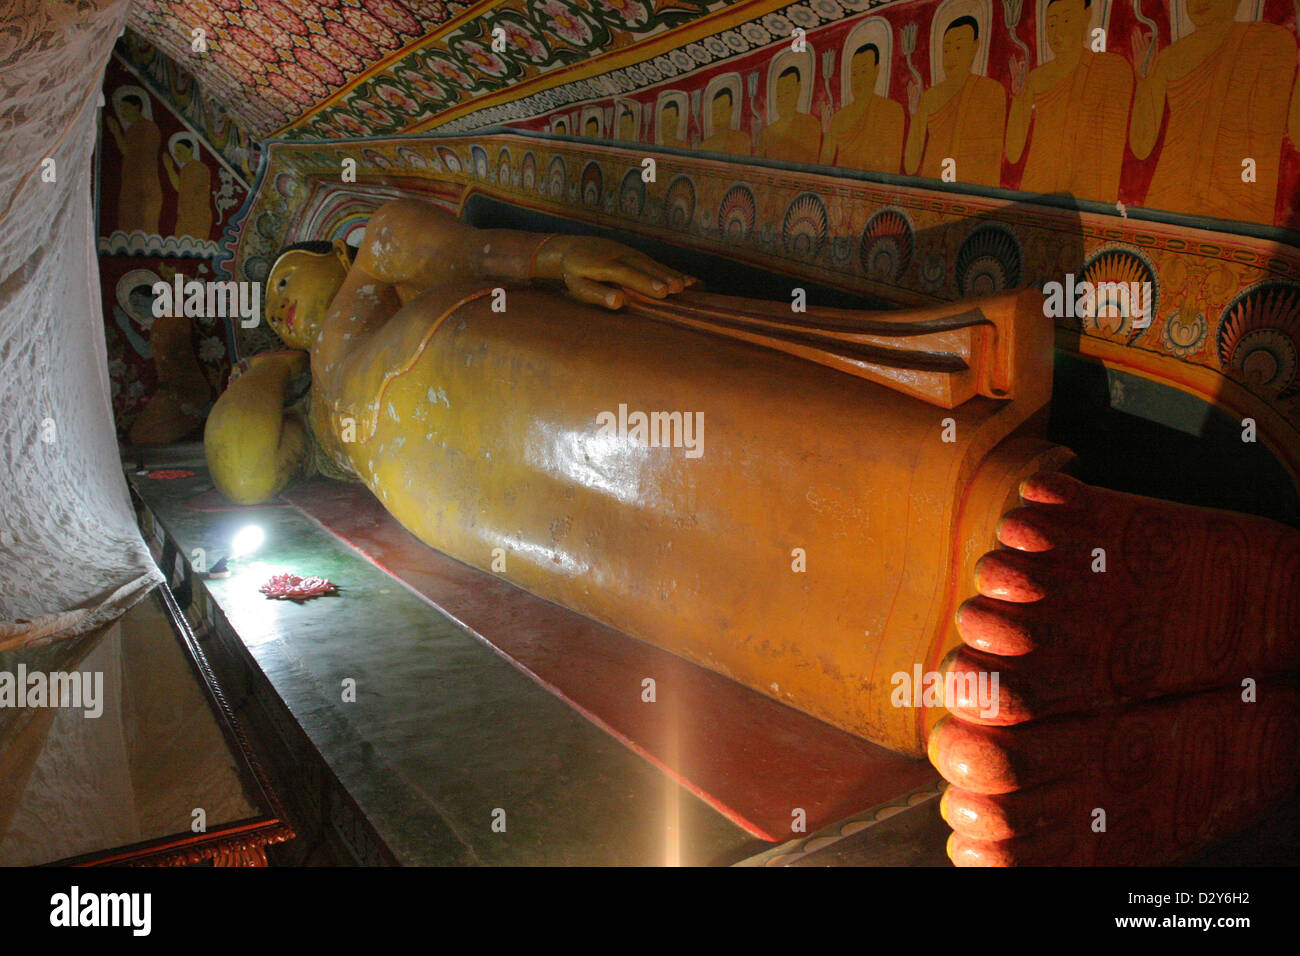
(798, 142)
(139, 201)
(728, 140)
(1079, 128)
(969, 128)
(194, 201)
(1231, 107)
(874, 141)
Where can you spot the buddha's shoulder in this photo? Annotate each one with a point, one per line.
(886, 107)
(986, 90)
(1269, 38)
(1110, 66)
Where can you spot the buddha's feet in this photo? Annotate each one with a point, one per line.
(1146, 700)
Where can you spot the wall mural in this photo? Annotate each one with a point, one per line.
(164, 200)
(1198, 117)
(1224, 307)
(1145, 103)
(184, 97)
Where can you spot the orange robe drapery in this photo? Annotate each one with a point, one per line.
(727, 140)
(874, 141)
(194, 200)
(1229, 108)
(1079, 129)
(969, 128)
(799, 141)
(139, 201)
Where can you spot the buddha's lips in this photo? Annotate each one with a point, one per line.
(288, 316)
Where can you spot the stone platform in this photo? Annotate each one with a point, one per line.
(479, 706)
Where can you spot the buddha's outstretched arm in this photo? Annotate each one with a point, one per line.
(414, 246)
(411, 247)
(253, 448)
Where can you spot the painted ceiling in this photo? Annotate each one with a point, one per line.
(323, 69)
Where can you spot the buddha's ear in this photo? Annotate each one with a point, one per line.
(341, 250)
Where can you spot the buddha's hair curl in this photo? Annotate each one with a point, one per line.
(319, 247)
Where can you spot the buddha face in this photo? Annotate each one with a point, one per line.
(625, 125)
(787, 93)
(592, 129)
(183, 152)
(1203, 12)
(130, 111)
(668, 121)
(863, 71)
(299, 291)
(721, 117)
(959, 48)
(1067, 26)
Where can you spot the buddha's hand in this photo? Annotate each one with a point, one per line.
(599, 271)
(1145, 52)
(1019, 69)
(293, 361)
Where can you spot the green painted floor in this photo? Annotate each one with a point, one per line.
(444, 736)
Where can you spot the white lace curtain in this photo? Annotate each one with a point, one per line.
(71, 557)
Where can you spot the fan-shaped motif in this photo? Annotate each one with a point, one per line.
(1259, 337)
(503, 167)
(450, 159)
(803, 231)
(631, 194)
(412, 158)
(1124, 294)
(679, 203)
(376, 158)
(737, 213)
(592, 181)
(479, 158)
(556, 177)
(887, 245)
(528, 167)
(988, 261)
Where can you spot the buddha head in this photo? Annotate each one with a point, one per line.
(626, 128)
(1067, 26)
(1205, 12)
(863, 70)
(960, 43)
(668, 119)
(131, 107)
(303, 281)
(592, 128)
(720, 114)
(184, 151)
(787, 92)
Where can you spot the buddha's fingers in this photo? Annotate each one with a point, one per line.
(594, 293)
(635, 277)
(675, 280)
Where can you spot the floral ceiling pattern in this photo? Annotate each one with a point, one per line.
(323, 69)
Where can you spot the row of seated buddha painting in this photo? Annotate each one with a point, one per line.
(1226, 83)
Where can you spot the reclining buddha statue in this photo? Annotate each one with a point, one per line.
(831, 507)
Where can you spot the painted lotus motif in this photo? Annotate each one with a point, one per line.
(565, 23)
